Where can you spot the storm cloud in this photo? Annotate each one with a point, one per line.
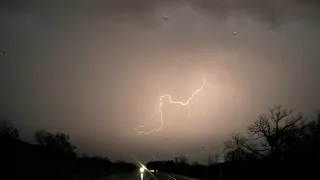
(272, 12)
(96, 69)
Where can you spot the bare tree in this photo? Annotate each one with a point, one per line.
(313, 135)
(181, 160)
(314, 127)
(239, 147)
(270, 135)
(58, 141)
(8, 130)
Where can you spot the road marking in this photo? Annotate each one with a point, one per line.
(171, 177)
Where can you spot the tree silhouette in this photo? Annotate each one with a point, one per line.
(312, 137)
(240, 148)
(270, 135)
(59, 141)
(8, 130)
(181, 160)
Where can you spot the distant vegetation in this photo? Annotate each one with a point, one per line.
(53, 157)
(278, 145)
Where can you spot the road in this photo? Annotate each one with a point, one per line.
(161, 176)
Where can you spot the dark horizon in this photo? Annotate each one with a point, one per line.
(279, 139)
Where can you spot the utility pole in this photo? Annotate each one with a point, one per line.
(210, 162)
(220, 160)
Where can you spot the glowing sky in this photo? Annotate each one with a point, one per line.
(96, 69)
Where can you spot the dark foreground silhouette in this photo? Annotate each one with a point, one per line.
(278, 145)
(21, 160)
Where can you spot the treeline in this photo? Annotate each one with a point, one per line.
(180, 166)
(52, 157)
(280, 144)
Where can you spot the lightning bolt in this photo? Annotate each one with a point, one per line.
(160, 110)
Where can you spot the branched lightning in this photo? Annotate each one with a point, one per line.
(160, 110)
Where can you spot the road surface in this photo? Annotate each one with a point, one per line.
(161, 176)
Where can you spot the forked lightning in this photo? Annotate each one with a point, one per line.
(160, 110)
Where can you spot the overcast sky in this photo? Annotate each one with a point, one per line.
(96, 69)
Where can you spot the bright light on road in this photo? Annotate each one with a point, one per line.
(141, 170)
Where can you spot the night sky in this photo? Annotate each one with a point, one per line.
(96, 69)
